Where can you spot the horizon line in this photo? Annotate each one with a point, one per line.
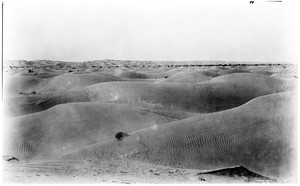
(139, 60)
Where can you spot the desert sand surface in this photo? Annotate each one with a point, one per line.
(111, 121)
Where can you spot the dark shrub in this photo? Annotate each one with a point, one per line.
(121, 135)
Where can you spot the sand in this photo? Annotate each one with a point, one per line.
(61, 119)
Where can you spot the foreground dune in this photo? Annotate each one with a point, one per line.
(55, 132)
(259, 135)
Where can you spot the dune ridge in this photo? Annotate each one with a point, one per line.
(75, 81)
(62, 82)
(215, 95)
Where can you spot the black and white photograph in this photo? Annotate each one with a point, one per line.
(149, 91)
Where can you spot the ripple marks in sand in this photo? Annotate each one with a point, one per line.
(24, 139)
(254, 135)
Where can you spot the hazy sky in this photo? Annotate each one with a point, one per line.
(148, 30)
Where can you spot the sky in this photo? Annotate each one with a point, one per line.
(149, 30)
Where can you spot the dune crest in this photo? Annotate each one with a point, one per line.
(185, 77)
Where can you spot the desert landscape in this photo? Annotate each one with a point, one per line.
(114, 121)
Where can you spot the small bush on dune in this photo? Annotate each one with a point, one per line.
(121, 135)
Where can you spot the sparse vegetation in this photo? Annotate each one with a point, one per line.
(120, 135)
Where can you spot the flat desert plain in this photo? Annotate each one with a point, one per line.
(128, 122)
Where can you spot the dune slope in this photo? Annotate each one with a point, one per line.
(75, 81)
(259, 135)
(204, 97)
(214, 72)
(131, 75)
(57, 131)
(187, 77)
(26, 84)
(16, 84)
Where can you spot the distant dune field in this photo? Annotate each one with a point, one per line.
(194, 117)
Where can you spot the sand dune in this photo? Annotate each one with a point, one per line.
(75, 81)
(40, 74)
(189, 116)
(144, 75)
(259, 135)
(284, 75)
(204, 97)
(26, 104)
(187, 77)
(55, 132)
(249, 79)
(219, 72)
(16, 84)
(218, 94)
(131, 75)
(63, 82)
(268, 73)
